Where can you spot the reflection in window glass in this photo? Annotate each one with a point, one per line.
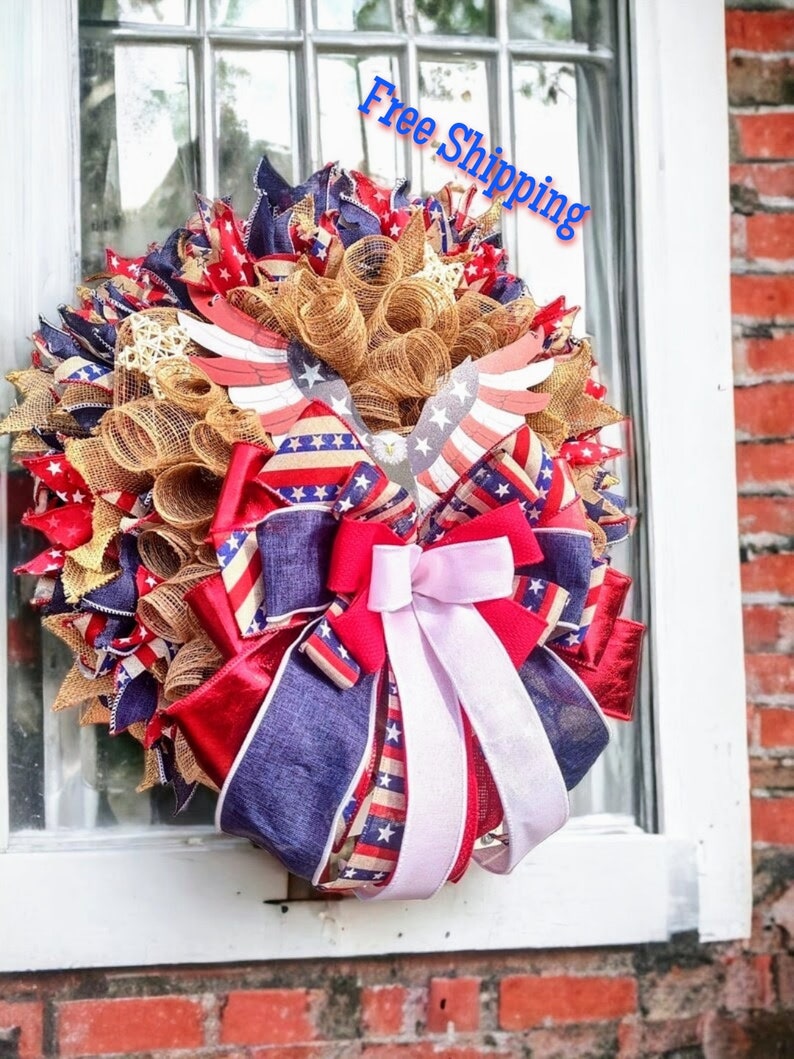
(254, 117)
(353, 14)
(451, 91)
(557, 20)
(253, 14)
(545, 106)
(138, 154)
(347, 135)
(146, 12)
(540, 19)
(473, 17)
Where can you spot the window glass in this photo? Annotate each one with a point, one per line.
(253, 14)
(138, 159)
(146, 12)
(253, 90)
(345, 134)
(360, 14)
(473, 17)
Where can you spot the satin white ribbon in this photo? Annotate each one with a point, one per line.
(445, 655)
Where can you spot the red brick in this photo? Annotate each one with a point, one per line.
(770, 235)
(529, 1000)
(383, 1010)
(455, 1003)
(268, 1016)
(765, 467)
(748, 982)
(773, 820)
(680, 992)
(129, 1024)
(738, 235)
(28, 1016)
(776, 728)
(763, 297)
(771, 774)
(759, 30)
(767, 135)
(427, 1050)
(762, 627)
(639, 1037)
(765, 410)
(766, 514)
(759, 79)
(771, 356)
(784, 979)
(770, 179)
(769, 674)
(769, 573)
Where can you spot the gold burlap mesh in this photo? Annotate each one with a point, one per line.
(77, 394)
(129, 385)
(39, 401)
(164, 549)
(148, 434)
(89, 566)
(376, 404)
(407, 305)
(369, 267)
(410, 365)
(193, 664)
(186, 495)
(187, 386)
(77, 688)
(164, 611)
(238, 424)
(94, 712)
(411, 243)
(187, 764)
(210, 447)
(28, 444)
(102, 474)
(332, 321)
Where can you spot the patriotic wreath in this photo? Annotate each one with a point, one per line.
(327, 521)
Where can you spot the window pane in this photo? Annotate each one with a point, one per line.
(138, 153)
(588, 21)
(346, 134)
(353, 14)
(545, 107)
(451, 91)
(254, 117)
(475, 17)
(147, 12)
(254, 14)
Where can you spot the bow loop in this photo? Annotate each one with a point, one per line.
(469, 572)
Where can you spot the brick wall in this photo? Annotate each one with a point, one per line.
(678, 1000)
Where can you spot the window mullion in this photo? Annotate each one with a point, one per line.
(504, 126)
(312, 160)
(203, 58)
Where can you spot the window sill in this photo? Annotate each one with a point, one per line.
(599, 881)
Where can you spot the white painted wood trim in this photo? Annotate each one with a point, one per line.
(195, 906)
(683, 212)
(202, 901)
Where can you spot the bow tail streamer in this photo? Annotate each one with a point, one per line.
(435, 765)
(507, 724)
(299, 765)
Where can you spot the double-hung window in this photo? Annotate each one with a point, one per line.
(122, 108)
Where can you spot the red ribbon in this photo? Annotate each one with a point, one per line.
(361, 629)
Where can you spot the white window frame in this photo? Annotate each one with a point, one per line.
(100, 900)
